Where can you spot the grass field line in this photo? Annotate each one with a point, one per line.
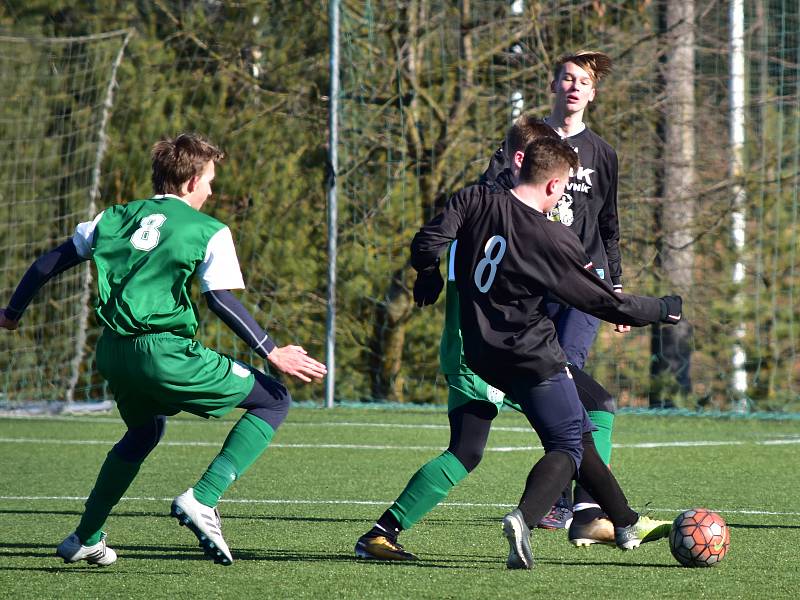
(116, 420)
(322, 502)
(776, 439)
(640, 445)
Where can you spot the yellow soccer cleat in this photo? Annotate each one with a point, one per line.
(380, 547)
(643, 531)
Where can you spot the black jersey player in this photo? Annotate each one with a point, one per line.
(588, 206)
(510, 257)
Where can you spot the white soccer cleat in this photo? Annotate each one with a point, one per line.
(518, 535)
(205, 523)
(71, 550)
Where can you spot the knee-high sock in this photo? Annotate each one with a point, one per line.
(114, 479)
(545, 481)
(247, 440)
(429, 486)
(604, 421)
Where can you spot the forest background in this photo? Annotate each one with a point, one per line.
(427, 90)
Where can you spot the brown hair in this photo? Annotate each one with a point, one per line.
(596, 64)
(525, 130)
(177, 160)
(547, 158)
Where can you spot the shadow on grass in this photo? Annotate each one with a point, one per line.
(29, 550)
(82, 569)
(607, 563)
(131, 553)
(225, 516)
(78, 513)
(168, 553)
(751, 526)
(277, 555)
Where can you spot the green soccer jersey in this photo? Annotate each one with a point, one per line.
(147, 253)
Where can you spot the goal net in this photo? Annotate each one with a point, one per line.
(55, 98)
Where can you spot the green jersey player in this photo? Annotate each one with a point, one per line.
(148, 254)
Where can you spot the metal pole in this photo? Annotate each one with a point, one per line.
(737, 138)
(333, 165)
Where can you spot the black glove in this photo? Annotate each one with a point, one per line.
(428, 285)
(671, 307)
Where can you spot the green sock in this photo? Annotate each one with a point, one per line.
(247, 440)
(114, 478)
(429, 486)
(604, 421)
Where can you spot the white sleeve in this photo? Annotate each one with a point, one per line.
(82, 238)
(220, 269)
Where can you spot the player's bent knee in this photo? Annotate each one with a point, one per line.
(269, 400)
(593, 396)
(573, 451)
(469, 458)
(140, 441)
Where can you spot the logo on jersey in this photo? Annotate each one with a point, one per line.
(582, 180)
(562, 211)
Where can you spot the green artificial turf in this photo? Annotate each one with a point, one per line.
(293, 519)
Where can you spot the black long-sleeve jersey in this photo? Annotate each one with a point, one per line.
(507, 256)
(589, 203)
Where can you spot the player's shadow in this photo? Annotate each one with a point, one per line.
(191, 554)
(29, 550)
(143, 513)
(83, 569)
(752, 526)
(466, 562)
(150, 513)
(608, 563)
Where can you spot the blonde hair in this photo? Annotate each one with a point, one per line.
(596, 64)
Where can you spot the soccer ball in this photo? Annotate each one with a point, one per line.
(699, 538)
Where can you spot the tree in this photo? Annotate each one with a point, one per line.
(671, 346)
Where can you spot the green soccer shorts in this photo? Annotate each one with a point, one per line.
(464, 388)
(164, 374)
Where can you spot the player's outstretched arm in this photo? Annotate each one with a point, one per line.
(295, 361)
(292, 360)
(40, 272)
(581, 288)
